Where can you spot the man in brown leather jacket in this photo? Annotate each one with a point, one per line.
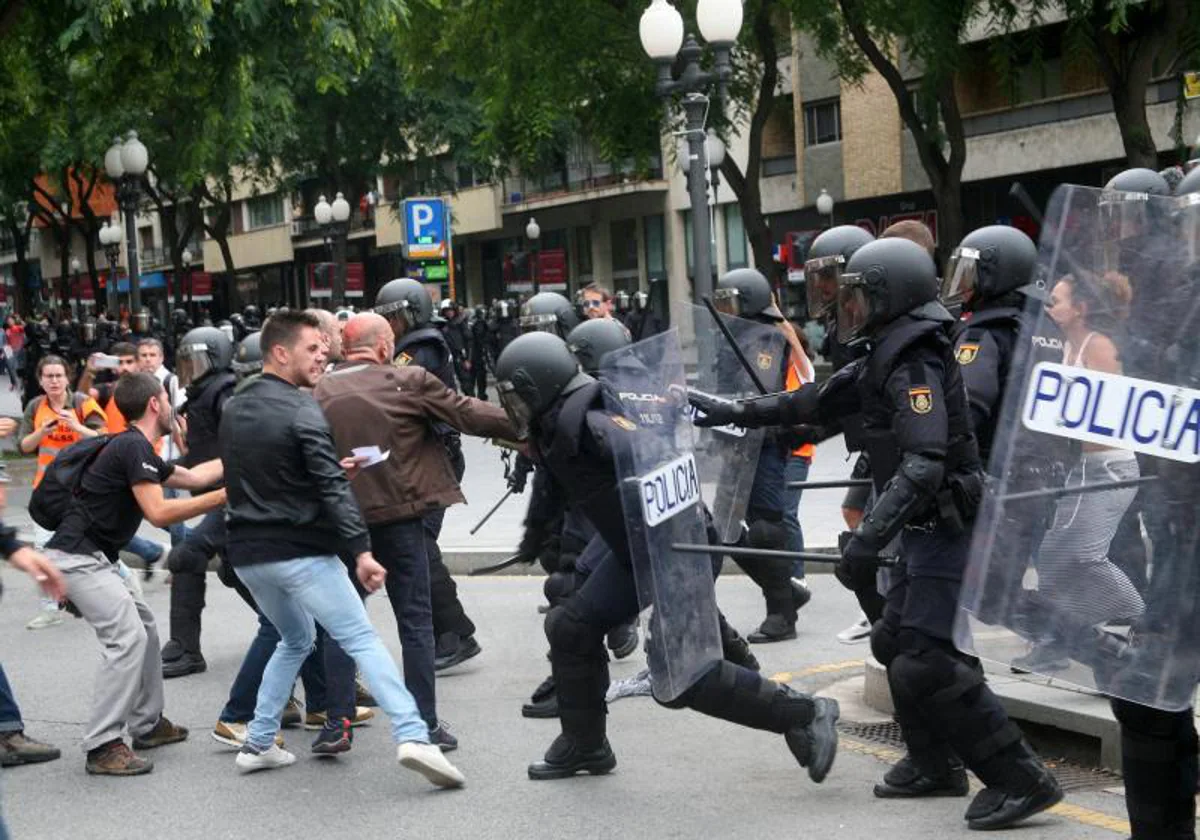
(370, 403)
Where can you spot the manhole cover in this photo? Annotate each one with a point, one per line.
(1071, 776)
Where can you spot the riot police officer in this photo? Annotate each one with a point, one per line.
(204, 366)
(928, 480)
(546, 394)
(641, 318)
(479, 352)
(458, 338)
(503, 325)
(549, 312)
(408, 306)
(252, 317)
(745, 292)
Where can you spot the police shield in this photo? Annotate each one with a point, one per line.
(725, 456)
(661, 499)
(1085, 559)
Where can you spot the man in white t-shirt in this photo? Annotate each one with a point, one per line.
(150, 360)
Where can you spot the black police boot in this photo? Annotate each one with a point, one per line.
(801, 594)
(775, 628)
(909, 779)
(455, 651)
(623, 640)
(544, 702)
(567, 756)
(1028, 789)
(815, 745)
(188, 663)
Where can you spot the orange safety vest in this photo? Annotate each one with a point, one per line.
(62, 435)
(793, 382)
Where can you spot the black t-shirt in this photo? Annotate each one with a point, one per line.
(106, 515)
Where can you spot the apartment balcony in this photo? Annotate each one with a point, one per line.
(578, 183)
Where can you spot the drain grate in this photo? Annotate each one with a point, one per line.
(1071, 776)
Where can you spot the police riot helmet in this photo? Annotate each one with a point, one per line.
(248, 360)
(252, 316)
(179, 317)
(988, 264)
(480, 312)
(885, 279)
(1139, 180)
(621, 302)
(87, 331)
(344, 314)
(226, 326)
(592, 339)
(744, 292)
(827, 258)
(407, 300)
(202, 351)
(141, 321)
(549, 312)
(1123, 209)
(1190, 185)
(532, 372)
(503, 308)
(640, 301)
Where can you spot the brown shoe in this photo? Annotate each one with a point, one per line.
(163, 733)
(116, 759)
(17, 748)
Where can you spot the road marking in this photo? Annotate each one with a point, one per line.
(1075, 813)
(789, 676)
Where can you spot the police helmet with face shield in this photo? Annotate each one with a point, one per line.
(87, 331)
(1123, 207)
(141, 321)
(827, 258)
(407, 300)
(592, 339)
(885, 279)
(532, 372)
(640, 301)
(202, 351)
(248, 360)
(987, 265)
(549, 312)
(503, 309)
(744, 292)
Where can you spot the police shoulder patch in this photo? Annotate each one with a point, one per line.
(623, 423)
(404, 360)
(765, 360)
(921, 399)
(967, 353)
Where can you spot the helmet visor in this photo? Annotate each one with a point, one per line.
(853, 308)
(518, 411)
(727, 301)
(1123, 215)
(192, 362)
(962, 276)
(397, 308)
(539, 323)
(821, 277)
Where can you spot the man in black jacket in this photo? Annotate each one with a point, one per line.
(290, 511)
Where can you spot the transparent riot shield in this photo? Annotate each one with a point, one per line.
(662, 502)
(726, 456)
(1085, 560)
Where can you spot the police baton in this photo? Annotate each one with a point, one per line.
(742, 551)
(488, 515)
(504, 564)
(1059, 492)
(826, 485)
(741, 357)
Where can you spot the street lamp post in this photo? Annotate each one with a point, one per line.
(533, 232)
(110, 241)
(126, 163)
(661, 31)
(186, 256)
(825, 207)
(334, 220)
(75, 266)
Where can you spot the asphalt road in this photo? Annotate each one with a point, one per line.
(679, 774)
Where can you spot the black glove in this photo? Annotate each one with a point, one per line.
(531, 544)
(858, 564)
(713, 410)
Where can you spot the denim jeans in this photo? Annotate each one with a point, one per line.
(148, 550)
(243, 693)
(766, 494)
(10, 715)
(797, 470)
(294, 595)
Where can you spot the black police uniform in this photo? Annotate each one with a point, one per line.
(426, 347)
(458, 339)
(575, 441)
(479, 356)
(188, 561)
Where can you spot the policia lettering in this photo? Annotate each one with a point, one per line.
(670, 489)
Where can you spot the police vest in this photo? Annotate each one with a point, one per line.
(878, 438)
(430, 340)
(989, 328)
(204, 419)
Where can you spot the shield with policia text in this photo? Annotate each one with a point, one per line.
(727, 455)
(1085, 561)
(662, 503)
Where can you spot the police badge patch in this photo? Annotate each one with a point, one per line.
(764, 361)
(967, 353)
(404, 360)
(624, 423)
(921, 400)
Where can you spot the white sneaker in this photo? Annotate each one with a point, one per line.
(44, 619)
(250, 759)
(857, 632)
(428, 760)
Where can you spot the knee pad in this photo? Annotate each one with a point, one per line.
(932, 671)
(885, 645)
(558, 587)
(187, 558)
(567, 632)
(765, 533)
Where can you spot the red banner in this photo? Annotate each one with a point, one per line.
(356, 279)
(321, 277)
(81, 289)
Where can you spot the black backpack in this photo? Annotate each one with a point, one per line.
(61, 482)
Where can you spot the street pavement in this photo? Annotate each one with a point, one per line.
(679, 774)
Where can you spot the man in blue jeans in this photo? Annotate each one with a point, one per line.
(290, 511)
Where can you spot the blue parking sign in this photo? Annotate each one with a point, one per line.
(425, 228)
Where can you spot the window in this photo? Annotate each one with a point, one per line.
(265, 211)
(656, 247)
(823, 122)
(583, 251)
(735, 237)
(624, 248)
